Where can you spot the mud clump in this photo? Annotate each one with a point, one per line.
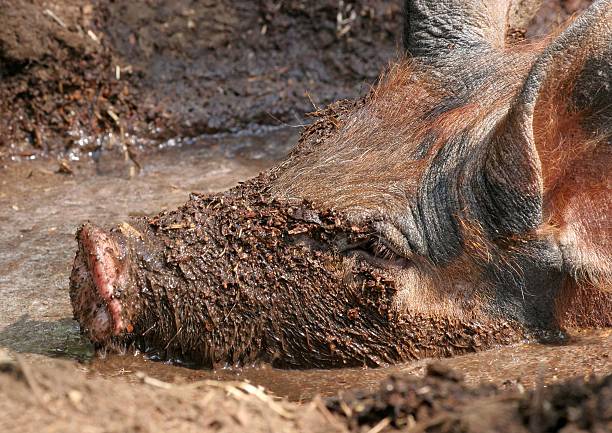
(440, 402)
(57, 80)
(72, 72)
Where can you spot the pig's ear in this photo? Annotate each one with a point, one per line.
(557, 134)
(435, 28)
(573, 71)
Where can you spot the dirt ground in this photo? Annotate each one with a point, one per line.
(72, 71)
(59, 398)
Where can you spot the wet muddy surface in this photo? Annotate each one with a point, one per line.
(170, 68)
(57, 398)
(588, 352)
(42, 203)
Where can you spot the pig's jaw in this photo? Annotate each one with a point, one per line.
(97, 280)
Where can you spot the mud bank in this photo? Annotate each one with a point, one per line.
(71, 71)
(75, 69)
(57, 398)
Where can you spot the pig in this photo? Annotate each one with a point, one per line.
(463, 203)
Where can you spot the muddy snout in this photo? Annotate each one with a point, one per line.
(98, 278)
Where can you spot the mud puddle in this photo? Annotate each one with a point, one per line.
(529, 364)
(41, 204)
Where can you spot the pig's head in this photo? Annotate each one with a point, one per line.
(483, 166)
(471, 204)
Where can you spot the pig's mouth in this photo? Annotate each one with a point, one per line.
(97, 280)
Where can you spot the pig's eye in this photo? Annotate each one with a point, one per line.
(379, 253)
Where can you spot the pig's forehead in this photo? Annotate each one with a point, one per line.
(376, 154)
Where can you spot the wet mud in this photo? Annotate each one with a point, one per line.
(586, 353)
(74, 69)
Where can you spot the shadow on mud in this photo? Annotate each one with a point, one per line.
(56, 339)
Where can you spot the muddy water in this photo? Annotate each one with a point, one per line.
(40, 209)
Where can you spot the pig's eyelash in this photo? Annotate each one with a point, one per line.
(380, 249)
(377, 251)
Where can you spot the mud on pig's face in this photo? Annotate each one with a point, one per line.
(239, 263)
